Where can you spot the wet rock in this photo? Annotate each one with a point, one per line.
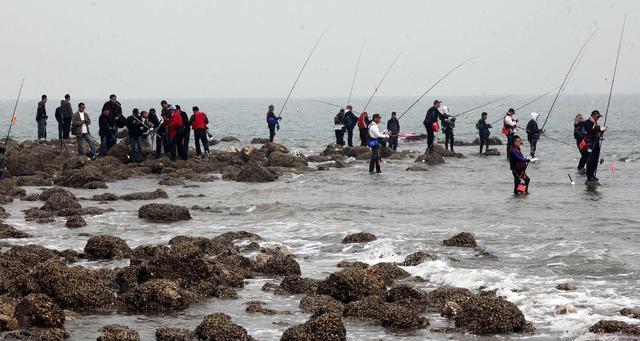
(88, 177)
(174, 334)
(318, 303)
(38, 311)
(238, 235)
(219, 326)
(351, 284)
(157, 194)
(230, 139)
(105, 197)
(430, 159)
(360, 237)
(8, 323)
(60, 201)
(257, 308)
(270, 287)
(564, 309)
(332, 149)
(258, 140)
(75, 221)
(437, 298)
(116, 332)
(376, 310)
(613, 326)
(387, 272)
(566, 287)
(631, 312)
(3, 213)
(271, 147)
(157, 296)
(320, 327)
(491, 152)
(347, 264)
(106, 247)
(7, 231)
(35, 213)
(399, 318)
(440, 150)
(407, 296)
(171, 181)
(493, 141)
(490, 315)
(254, 172)
(295, 284)
(10, 189)
(450, 310)
(463, 239)
(163, 213)
(279, 265)
(48, 334)
(417, 168)
(280, 159)
(357, 152)
(34, 180)
(417, 258)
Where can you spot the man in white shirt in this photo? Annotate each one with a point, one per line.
(80, 128)
(509, 125)
(375, 137)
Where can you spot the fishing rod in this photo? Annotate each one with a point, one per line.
(301, 70)
(482, 106)
(564, 81)
(13, 117)
(355, 74)
(528, 103)
(332, 104)
(382, 80)
(559, 141)
(434, 85)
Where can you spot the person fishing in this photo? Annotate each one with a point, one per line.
(509, 126)
(175, 125)
(135, 129)
(115, 112)
(375, 142)
(199, 122)
(273, 122)
(41, 119)
(104, 131)
(186, 133)
(431, 124)
(393, 127)
(593, 134)
(80, 129)
(484, 131)
(154, 123)
(448, 123)
(578, 135)
(363, 126)
(518, 164)
(533, 133)
(339, 126)
(352, 120)
(66, 113)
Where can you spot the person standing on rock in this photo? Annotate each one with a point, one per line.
(518, 164)
(509, 126)
(115, 111)
(593, 135)
(60, 120)
(448, 123)
(352, 120)
(41, 119)
(484, 131)
(199, 122)
(375, 142)
(174, 126)
(104, 131)
(340, 126)
(578, 134)
(272, 122)
(81, 122)
(393, 127)
(135, 129)
(66, 112)
(156, 139)
(363, 126)
(533, 133)
(186, 133)
(431, 124)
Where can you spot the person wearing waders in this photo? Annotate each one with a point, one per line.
(363, 126)
(518, 164)
(578, 135)
(199, 122)
(431, 124)
(509, 126)
(272, 122)
(41, 119)
(533, 133)
(339, 126)
(352, 120)
(593, 135)
(375, 142)
(448, 123)
(484, 131)
(393, 127)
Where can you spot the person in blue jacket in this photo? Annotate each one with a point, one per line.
(484, 131)
(272, 122)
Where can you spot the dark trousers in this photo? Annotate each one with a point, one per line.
(350, 136)
(364, 136)
(60, 131)
(375, 160)
(592, 161)
(104, 144)
(430, 138)
(66, 128)
(510, 142)
(176, 143)
(584, 156)
(136, 148)
(517, 179)
(42, 129)
(448, 138)
(393, 140)
(272, 132)
(484, 141)
(340, 137)
(111, 139)
(200, 135)
(160, 143)
(533, 143)
(185, 143)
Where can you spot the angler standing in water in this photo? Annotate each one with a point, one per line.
(272, 122)
(509, 126)
(484, 131)
(41, 119)
(431, 124)
(578, 134)
(363, 126)
(518, 164)
(393, 127)
(448, 123)
(375, 142)
(533, 133)
(339, 126)
(352, 120)
(593, 134)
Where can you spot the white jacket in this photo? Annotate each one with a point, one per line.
(509, 121)
(374, 131)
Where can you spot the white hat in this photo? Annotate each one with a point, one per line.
(534, 115)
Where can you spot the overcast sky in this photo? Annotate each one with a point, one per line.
(239, 48)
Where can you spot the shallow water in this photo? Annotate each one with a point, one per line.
(559, 233)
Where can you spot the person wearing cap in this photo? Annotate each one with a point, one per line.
(272, 122)
(448, 123)
(484, 131)
(509, 126)
(363, 126)
(352, 120)
(593, 135)
(339, 126)
(393, 127)
(533, 133)
(518, 164)
(375, 142)
(431, 124)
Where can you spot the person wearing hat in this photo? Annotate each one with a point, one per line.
(509, 126)
(431, 123)
(533, 133)
(448, 123)
(518, 164)
(352, 120)
(339, 126)
(593, 135)
(375, 142)
(272, 122)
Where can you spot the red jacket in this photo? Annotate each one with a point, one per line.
(174, 123)
(199, 120)
(363, 121)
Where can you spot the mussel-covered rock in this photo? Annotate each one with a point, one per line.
(462, 239)
(7, 231)
(174, 334)
(116, 332)
(279, 265)
(107, 247)
(75, 221)
(320, 327)
(157, 296)
(164, 213)
(295, 284)
(483, 314)
(157, 194)
(360, 237)
(219, 326)
(314, 303)
(351, 284)
(38, 311)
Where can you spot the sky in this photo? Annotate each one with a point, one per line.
(240, 48)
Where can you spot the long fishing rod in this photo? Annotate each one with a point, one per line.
(434, 85)
(332, 104)
(528, 103)
(380, 83)
(301, 70)
(13, 117)
(567, 76)
(481, 106)
(355, 74)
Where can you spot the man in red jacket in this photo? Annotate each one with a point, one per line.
(199, 123)
(175, 124)
(363, 125)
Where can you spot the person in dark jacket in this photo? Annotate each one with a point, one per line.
(66, 113)
(199, 122)
(593, 135)
(351, 120)
(340, 126)
(186, 133)
(518, 164)
(136, 129)
(363, 126)
(174, 126)
(60, 120)
(448, 123)
(154, 122)
(393, 127)
(533, 133)
(115, 110)
(272, 122)
(578, 135)
(484, 131)
(105, 131)
(430, 123)
(41, 119)
(163, 131)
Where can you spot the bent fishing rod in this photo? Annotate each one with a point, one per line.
(564, 81)
(380, 83)
(434, 85)
(355, 74)
(528, 103)
(301, 70)
(13, 116)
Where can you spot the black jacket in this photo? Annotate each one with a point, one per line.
(351, 119)
(484, 129)
(135, 127)
(115, 109)
(153, 119)
(42, 111)
(592, 132)
(393, 125)
(578, 134)
(105, 125)
(58, 114)
(533, 132)
(185, 119)
(433, 114)
(66, 111)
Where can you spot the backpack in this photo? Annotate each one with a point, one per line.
(336, 119)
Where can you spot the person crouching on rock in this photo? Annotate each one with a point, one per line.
(375, 142)
(518, 163)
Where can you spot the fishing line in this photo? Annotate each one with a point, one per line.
(355, 74)
(379, 84)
